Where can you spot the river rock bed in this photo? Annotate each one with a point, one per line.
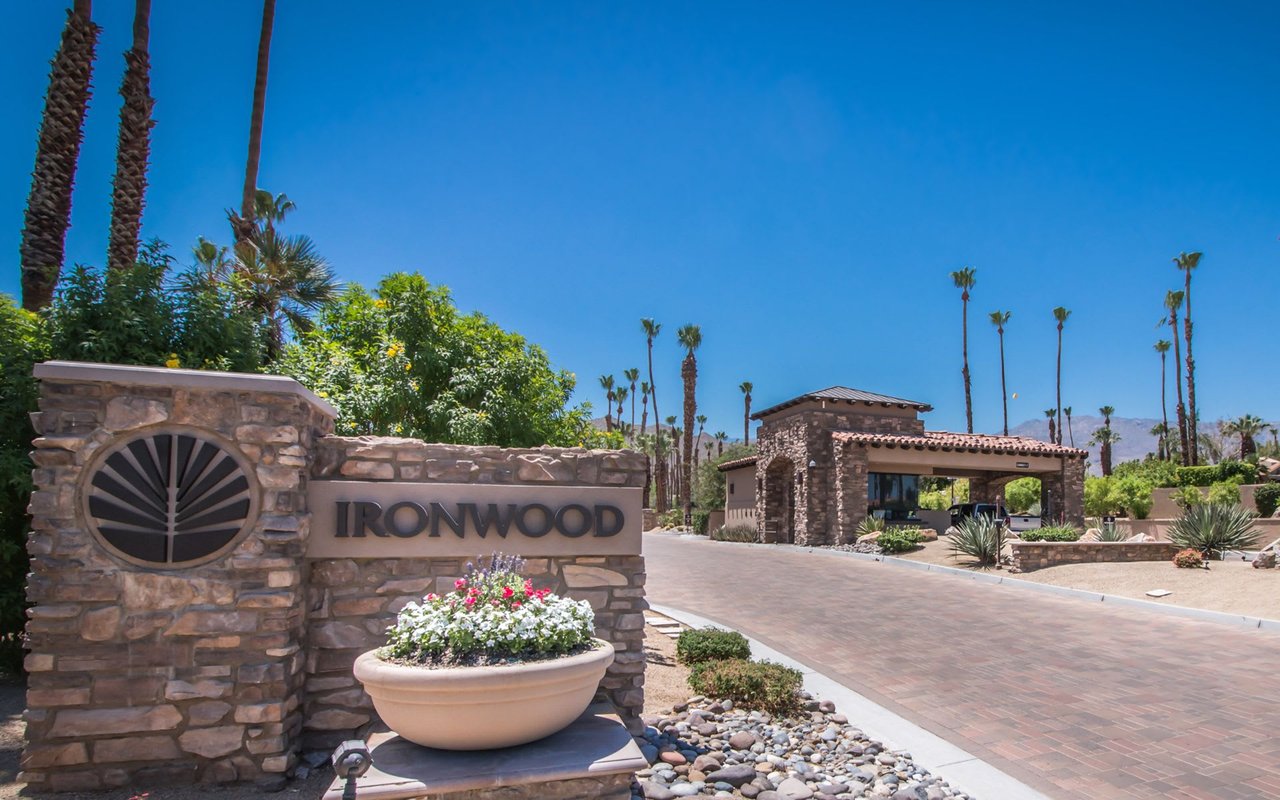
(708, 748)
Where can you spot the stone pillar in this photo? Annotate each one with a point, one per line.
(1062, 493)
(985, 489)
(168, 618)
(851, 491)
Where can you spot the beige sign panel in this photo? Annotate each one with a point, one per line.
(381, 519)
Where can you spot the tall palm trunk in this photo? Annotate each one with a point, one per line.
(1183, 432)
(1004, 391)
(48, 213)
(644, 413)
(1192, 422)
(243, 226)
(968, 390)
(1059, 414)
(133, 149)
(1164, 410)
(659, 463)
(689, 374)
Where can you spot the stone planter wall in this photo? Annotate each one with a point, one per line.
(152, 675)
(1029, 556)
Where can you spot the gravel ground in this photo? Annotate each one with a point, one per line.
(665, 682)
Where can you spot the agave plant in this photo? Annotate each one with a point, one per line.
(870, 525)
(1111, 532)
(1213, 528)
(981, 538)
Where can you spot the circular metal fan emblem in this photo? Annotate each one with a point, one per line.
(169, 499)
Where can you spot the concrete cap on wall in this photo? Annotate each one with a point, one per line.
(88, 372)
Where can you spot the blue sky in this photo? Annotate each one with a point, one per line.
(798, 179)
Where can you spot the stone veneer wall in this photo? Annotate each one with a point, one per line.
(144, 676)
(139, 676)
(351, 601)
(804, 436)
(1030, 556)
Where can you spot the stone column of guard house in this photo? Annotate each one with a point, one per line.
(151, 675)
(1066, 483)
(851, 491)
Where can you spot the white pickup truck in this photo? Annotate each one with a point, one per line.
(1014, 522)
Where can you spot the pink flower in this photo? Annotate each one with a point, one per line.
(507, 592)
(459, 583)
(432, 597)
(516, 604)
(470, 601)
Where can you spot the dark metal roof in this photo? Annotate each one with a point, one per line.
(847, 395)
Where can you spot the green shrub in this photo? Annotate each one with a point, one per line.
(700, 521)
(899, 540)
(758, 685)
(673, 518)
(1239, 471)
(979, 538)
(700, 645)
(1021, 495)
(738, 533)
(1188, 497)
(1211, 529)
(1188, 559)
(1224, 493)
(1051, 533)
(1267, 499)
(1133, 494)
(1153, 470)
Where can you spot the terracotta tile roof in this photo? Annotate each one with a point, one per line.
(847, 395)
(962, 442)
(745, 461)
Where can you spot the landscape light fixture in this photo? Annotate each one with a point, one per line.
(812, 463)
(351, 760)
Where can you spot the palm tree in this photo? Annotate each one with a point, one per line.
(1188, 262)
(1000, 319)
(133, 147)
(675, 454)
(1172, 302)
(702, 423)
(269, 209)
(1060, 314)
(211, 259)
(606, 383)
(1105, 444)
(1053, 430)
(1162, 347)
(1105, 437)
(964, 280)
(631, 376)
(283, 278)
(620, 397)
(1071, 436)
(48, 212)
(243, 225)
(721, 437)
(1246, 427)
(1161, 431)
(651, 331)
(690, 338)
(644, 406)
(746, 387)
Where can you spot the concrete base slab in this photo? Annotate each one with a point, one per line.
(594, 757)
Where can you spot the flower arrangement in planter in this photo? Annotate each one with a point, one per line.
(494, 663)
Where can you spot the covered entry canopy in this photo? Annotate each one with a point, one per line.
(818, 451)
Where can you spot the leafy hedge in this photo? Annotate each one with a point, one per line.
(759, 685)
(700, 645)
(1240, 472)
(899, 540)
(1267, 499)
(1053, 533)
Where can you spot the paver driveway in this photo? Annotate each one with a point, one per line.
(1077, 699)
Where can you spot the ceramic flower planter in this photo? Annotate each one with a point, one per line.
(481, 708)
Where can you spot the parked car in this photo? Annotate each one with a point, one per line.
(1014, 522)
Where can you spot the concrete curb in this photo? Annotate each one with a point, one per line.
(1203, 615)
(957, 766)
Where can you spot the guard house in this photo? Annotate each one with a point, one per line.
(829, 458)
